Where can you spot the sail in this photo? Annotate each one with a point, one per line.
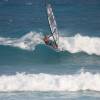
(52, 23)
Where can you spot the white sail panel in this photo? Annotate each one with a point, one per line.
(52, 23)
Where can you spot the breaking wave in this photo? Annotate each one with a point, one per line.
(79, 43)
(74, 44)
(49, 82)
(27, 42)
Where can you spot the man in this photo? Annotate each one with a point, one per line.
(50, 42)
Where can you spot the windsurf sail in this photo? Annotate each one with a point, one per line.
(52, 23)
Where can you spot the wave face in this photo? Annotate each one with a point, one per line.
(77, 43)
(49, 82)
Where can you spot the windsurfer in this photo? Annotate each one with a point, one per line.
(50, 42)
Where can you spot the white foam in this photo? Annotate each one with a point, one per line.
(28, 41)
(49, 82)
(79, 43)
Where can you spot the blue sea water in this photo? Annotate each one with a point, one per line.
(29, 70)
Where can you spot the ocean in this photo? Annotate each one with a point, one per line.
(30, 70)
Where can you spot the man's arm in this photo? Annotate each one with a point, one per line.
(49, 36)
